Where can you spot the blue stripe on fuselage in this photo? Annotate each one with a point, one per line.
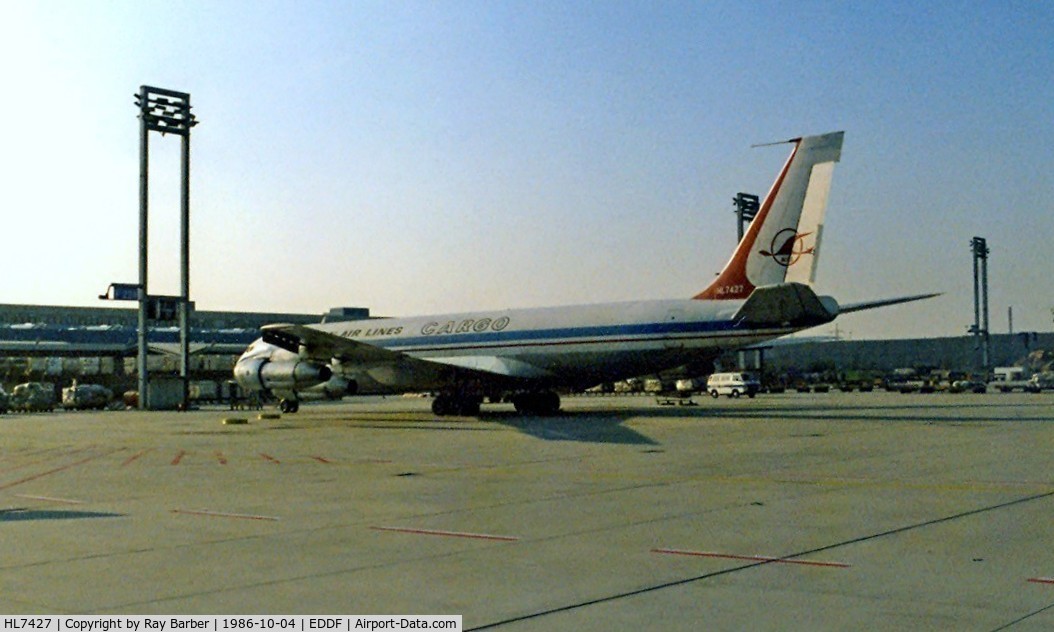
(563, 335)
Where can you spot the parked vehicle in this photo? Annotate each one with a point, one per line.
(732, 384)
(1010, 378)
(863, 381)
(1043, 381)
(33, 397)
(973, 386)
(85, 396)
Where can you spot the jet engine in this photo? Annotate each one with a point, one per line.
(283, 375)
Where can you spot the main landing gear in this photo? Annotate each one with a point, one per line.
(537, 403)
(289, 405)
(451, 404)
(467, 403)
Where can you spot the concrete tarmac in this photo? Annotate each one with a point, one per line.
(828, 511)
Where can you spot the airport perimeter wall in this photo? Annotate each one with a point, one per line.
(952, 353)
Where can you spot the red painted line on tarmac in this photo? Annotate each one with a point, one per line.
(66, 501)
(44, 460)
(750, 558)
(55, 470)
(1042, 580)
(268, 457)
(179, 457)
(321, 459)
(135, 456)
(22, 465)
(451, 534)
(220, 514)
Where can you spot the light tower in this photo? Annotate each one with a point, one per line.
(747, 206)
(168, 112)
(979, 247)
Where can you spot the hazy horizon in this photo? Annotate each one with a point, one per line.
(421, 158)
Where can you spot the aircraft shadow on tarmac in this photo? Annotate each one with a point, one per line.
(583, 426)
(607, 426)
(594, 426)
(588, 427)
(20, 514)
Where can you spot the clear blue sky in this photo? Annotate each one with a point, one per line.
(445, 156)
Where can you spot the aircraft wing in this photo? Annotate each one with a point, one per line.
(324, 346)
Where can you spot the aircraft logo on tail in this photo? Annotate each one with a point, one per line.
(788, 246)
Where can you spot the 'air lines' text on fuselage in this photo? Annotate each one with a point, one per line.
(435, 328)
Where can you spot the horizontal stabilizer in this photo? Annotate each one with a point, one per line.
(785, 304)
(856, 307)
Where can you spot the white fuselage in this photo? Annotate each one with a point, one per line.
(576, 346)
(762, 293)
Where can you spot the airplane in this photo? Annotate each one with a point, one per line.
(763, 292)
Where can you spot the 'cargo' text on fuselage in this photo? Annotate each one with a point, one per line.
(469, 325)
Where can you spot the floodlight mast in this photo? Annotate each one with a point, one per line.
(747, 206)
(168, 112)
(979, 248)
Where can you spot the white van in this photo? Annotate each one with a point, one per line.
(732, 384)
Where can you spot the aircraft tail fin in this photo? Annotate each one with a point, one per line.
(782, 243)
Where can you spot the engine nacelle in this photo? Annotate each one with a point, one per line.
(337, 387)
(289, 375)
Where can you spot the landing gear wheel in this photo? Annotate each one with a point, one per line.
(550, 404)
(540, 403)
(289, 405)
(441, 405)
(468, 408)
(449, 405)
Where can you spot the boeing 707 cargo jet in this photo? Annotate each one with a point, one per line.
(763, 292)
